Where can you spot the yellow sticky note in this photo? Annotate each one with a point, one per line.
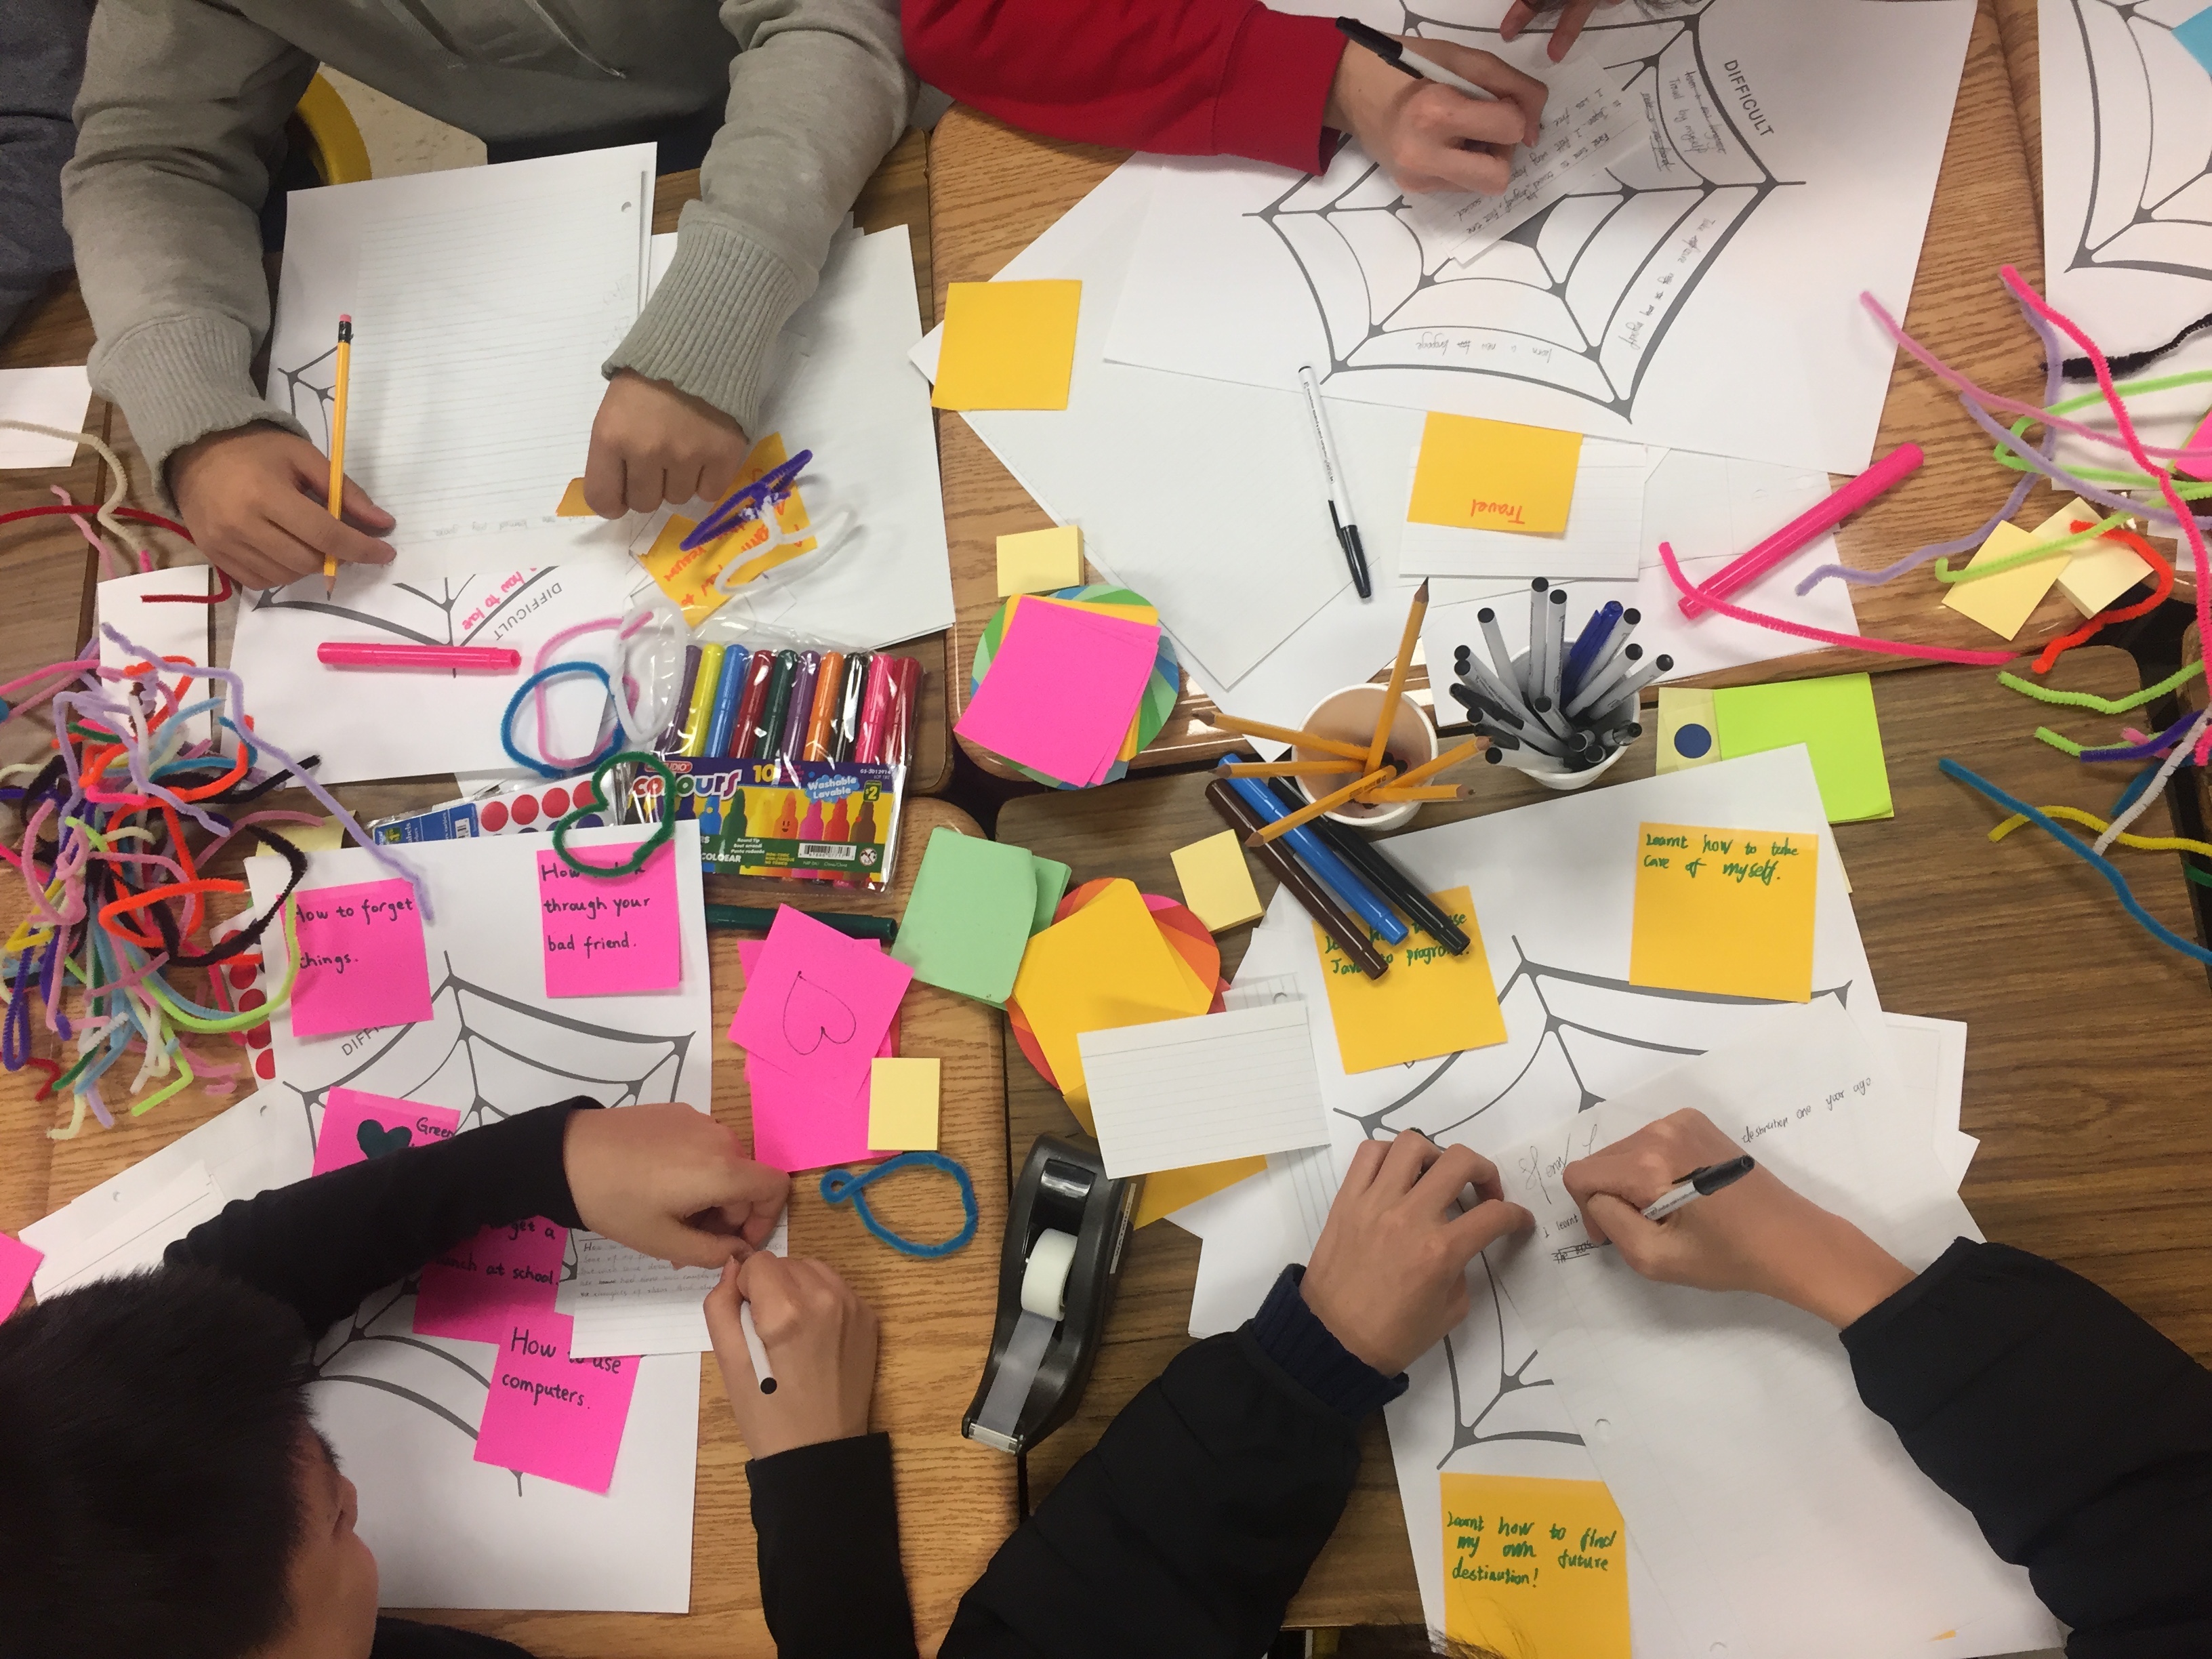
(1535, 1569)
(690, 578)
(2099, 571)
(1492, 474)
(1007, 345)
(1103, 968)
(324, 837)
(1689, 733)
(902, 1105)
(2003, 604)
(1724, 911)
(573, 504)
(1217, 882)
(1039, 560)
(1166, 1191)
(1427, 1003)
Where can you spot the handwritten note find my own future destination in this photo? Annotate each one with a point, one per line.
(1534, 1568)
(1726, 912)
(604, 935)
(361, 959)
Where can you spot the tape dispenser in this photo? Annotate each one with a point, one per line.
(1067, 1227)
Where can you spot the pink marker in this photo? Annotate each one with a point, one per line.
(1899, 463)
(433, 659)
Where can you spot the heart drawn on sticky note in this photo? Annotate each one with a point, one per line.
(814, 1015)
(377, 1141)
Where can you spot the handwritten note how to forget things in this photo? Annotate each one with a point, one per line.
(361, 959)
(608, 934)
(1724, 911)
(551, 1415)
(358, 1127)
(1534, 1568)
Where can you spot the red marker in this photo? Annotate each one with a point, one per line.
(1899, 463)
(478, 658)
(868, 745)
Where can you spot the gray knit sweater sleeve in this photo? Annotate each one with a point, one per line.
(42, 57)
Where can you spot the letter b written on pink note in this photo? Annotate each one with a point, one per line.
(549, 1415)
(362, 964)
(604, 935)
(484, 1286)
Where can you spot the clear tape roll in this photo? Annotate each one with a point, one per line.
(1044, 1303)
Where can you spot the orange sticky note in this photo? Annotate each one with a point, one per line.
(1534, 1568)
(1007, 345)
(690, 578)
(573, 504)
(1429, 1003)
(1725, 911)
(1493, 475)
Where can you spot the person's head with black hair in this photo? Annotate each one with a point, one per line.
(162, 1488)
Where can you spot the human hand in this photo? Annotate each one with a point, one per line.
(671, 1182)
(1388, 1277)
(1427, 136)
(257, 500)
(651, 443)
(1572, 16)
(820, 1344)
(1756, 1233)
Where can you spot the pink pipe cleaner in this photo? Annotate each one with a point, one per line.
(1848, 641)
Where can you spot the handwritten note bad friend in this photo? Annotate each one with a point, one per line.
(1534, 1568)
(1724, 911)
(358, 1127)
(361, 959)
(604, 935)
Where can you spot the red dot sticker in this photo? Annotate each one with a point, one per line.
(252, 1000)
(257, 1037)
(492, 815)
(556, 802)
(241, 975)
(264, 1066)
(526, 809)
(584, 795)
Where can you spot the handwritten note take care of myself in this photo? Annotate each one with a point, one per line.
(1724, 911)
(362, 964)
(608, 934)
(1535, 1569)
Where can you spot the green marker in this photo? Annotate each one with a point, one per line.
(761, 745)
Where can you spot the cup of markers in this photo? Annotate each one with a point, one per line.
(1566, 708)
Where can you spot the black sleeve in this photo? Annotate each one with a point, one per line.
(1185, 1531)
(826, 1519)
(321, 1245)
(2079, 1438)
(41, 61)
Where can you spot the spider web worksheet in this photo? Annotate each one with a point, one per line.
(1701, 292)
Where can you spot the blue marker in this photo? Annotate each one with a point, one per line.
(1358, 896)
(727, 692)
(1592, 640)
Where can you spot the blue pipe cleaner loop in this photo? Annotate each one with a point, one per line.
(841, 1186)
(553, 670)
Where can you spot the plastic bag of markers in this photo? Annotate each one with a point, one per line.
(792, 758)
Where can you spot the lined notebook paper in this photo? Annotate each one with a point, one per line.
(1184, 1091)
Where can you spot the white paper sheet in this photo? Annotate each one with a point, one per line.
(1709, 1415)
(1182, 1092)
(1703, 295)
(449, 1531)
(129, 1242)
(58, 398)
(625, 1303)
(1603, 537)
(1931, 1058)
(484, 300)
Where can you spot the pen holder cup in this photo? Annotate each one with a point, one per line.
(1563, 778)
(1349, 716)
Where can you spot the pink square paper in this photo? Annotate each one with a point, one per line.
(1061, 691)
(549, 1415)
(18, 1261)
(607, 934)
(361, 959)
(795, 1126)
(358, 1127)
(478, 1290)
(817, 1004)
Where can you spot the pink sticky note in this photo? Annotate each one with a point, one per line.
(817, 1004)
(362, 960)
(608, 934)
(18, 1261)
(1061, 688)
(796, 1126)
(2197, 464)
(358, 1127)
(480, 1287)
(552, 1416)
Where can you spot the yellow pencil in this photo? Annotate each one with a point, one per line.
(1284, 734)
(1307, 814)
(1451, 757)
(1405, 644)
(1432, 792)
(337, 445)
(1290, 768)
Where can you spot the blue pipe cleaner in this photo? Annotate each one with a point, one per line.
(838, 1186)
(515, 704)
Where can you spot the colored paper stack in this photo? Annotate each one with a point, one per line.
(1068, 687)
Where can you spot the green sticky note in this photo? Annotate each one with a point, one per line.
(968, 921)
(1051, 887)
(1833, 718)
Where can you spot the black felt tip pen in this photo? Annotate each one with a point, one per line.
(1393, 52)
(1700, 1183)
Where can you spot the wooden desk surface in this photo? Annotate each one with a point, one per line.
(2082, 1040)
(993, 191)
(956, 1499)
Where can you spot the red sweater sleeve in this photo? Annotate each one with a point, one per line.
(1179, 77)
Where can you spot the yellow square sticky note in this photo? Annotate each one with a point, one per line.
(1689, 734)
(1007, 345)
(327, 836)
(573, 504)
(1492, 474)
(2099, 571)
(1217, 882)
(1724, 911)
(1102, 968)
(2002, 604)
(690, 578)
(902, 1105)
(1427, 1003)
(1039, 560)
(1535, 1569)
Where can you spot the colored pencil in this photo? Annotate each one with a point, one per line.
(1380, 744)
(1428, 769)
(344, 375)
(1290, 768)
(1431, 791)
(1245, 728)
